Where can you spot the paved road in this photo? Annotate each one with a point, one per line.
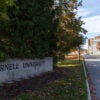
(92, 64)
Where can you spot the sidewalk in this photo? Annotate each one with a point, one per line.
(92, 65)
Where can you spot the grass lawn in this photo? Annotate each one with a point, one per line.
(71, 86)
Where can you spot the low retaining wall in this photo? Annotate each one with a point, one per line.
(17, 69)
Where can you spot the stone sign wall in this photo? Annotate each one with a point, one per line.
(17, 69)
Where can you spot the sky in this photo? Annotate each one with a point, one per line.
(90, 13)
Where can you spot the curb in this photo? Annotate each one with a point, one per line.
(87, 84)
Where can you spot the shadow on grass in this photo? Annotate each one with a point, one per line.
(16, 88)
(66, 82)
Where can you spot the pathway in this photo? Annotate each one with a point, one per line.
(92, 64)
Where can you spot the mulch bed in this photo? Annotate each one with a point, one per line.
(10, 90)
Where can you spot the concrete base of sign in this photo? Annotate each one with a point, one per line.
(17, 69)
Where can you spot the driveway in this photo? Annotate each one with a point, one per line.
(92, 65)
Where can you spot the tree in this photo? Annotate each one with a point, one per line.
(69, 28)
(38, 28)
(33, 29)
(4, 26)
(3, 15)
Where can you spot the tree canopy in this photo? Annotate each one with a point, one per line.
(39, 28)
(70, 27)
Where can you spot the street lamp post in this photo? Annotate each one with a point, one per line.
(79, 53)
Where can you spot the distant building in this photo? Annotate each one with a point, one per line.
(94, 45)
